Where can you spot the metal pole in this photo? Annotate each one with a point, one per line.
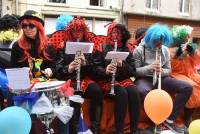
(121, 12)
(17, 7)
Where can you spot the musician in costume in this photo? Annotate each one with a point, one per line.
(66, 68)
(126, 94)
(32, 49)
(157, 38)
(184, 58)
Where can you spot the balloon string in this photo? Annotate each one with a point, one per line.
(155, 129)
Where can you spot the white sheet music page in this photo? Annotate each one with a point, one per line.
(18, 78)
(73, 47)
(117, 55)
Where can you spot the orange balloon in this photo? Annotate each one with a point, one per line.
(158, 105)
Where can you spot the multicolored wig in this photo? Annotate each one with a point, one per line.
(125, 33)
(76, 24)
(26, 46)
(62, 21)
(179, 33)
(158, 32)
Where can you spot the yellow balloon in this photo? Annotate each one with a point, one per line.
(194, 127)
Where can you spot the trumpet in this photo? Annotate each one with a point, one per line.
(114, 61)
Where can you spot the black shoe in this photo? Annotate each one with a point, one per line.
(173, 128)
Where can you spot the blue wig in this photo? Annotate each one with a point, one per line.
(62, 21)
(158, 32)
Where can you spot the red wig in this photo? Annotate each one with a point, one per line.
(111, 26)
(76, 24)
(25, 45)
(124, 33)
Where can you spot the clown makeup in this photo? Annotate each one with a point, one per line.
(77, 34)
(116, 35)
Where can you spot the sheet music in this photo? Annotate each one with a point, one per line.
(18, 78)
(73, 47)
(117, 55)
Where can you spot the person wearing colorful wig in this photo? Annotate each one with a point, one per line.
(125, 91)
(159, 37)
(62, 21)
(184, 58)
(67, 65)
(32, 49)
(32, 46)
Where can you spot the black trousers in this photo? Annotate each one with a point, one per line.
(123, 97)
(94, 93)
(182, 89)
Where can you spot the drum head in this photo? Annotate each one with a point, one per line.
(49, 85)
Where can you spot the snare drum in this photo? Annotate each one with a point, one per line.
(51, 90)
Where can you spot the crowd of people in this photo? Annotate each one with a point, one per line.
(134, 76)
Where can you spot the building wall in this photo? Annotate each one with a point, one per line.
(6, 7)
(72, 7)
(137, 21)
(96, 16)
(167, 8)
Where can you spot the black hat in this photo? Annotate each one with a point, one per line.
(30, 14)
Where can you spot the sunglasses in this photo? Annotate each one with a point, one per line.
(30, 26)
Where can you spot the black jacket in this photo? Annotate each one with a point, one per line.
(17, 55)
(100, 63)
(62, 63)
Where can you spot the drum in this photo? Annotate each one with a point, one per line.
(51, 90)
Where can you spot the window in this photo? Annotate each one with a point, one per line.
(50, 23)
(100, 28)
(152, 4)
(184, 6)
(97, 25)
(57, 1)
(97, 2)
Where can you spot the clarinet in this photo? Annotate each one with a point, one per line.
(114, 73)
(155, 75)
(77, 58)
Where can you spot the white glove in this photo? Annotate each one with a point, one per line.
(48, 72)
